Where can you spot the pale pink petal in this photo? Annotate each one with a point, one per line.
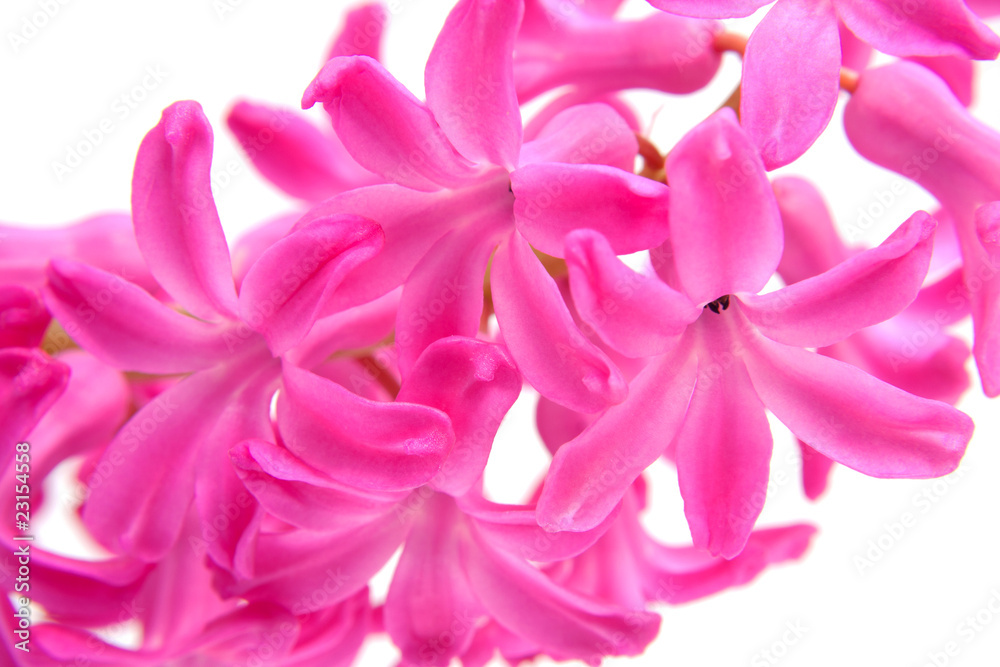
(791, 79)
(252, 244)
(244, 634)
(985, 8)
(367, 444)
(469, 80)
(443, 296)
(636, 314)
(812, 244)
(983, 271)
(558, 425)
(713, 9)
(362, 32)
(30, 383)
(384, 127)
(927, 28)
(553, 199)
(176, 224)
(723, 449)
(474, 383)
(140, 496)
(585, 133)
(576, 97)
(815, 471)
(866, 289)
(294, 154)
(724, 223)
(853, 418)
(855, 54)
(125, 327)
(23, 318)
(564, 624)
(957, 71)
(590, 474)
(293, 282)
(550, 351)
(429, 610)
(302, 496)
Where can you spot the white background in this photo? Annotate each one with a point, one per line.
(66, 79)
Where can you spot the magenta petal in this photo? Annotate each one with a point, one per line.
(292, 153)
(362, 32)
(637, 315)
(23, 318)
(723, 450)
(853, 418)
(123, 326)
(444, 296)
(292, 283)
(302, 496)
(686, 574)
(30, 383)
(983, 270)
(469, 80)
(558, 425)
(724, 222)
(815, 471)
(562, 623)
(552, 199)
(958, 72)
(791, 79)
(367, 444)
(590, 474)
(384, 127)
(584, 133)
(144, 484)
(866, 289)
(855, 53)
(710, 9)
(551, 352)
(474, 383)
(429, 597)
(176, 224)
(926, 28)
(812, 244)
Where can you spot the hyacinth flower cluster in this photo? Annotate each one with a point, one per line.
(260, 425)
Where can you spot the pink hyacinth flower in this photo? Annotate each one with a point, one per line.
(722, 354)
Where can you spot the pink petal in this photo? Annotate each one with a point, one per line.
(855, 54)
(864, 290)
(302, 496)
(853, 418)
(710, 9)
(815, 471)
(363, 443)
(307, 571)
(332, 637)
(384, 127)
(724, 222)
(638, 315)
(957, 71)
(23, 318)
(444, 295)
(252, 244)
(791, 79)
(590, 474)
(575, 97)
(558, 425)
(176, 224)
(125, 327)
(984, 8)
(723, 449)
(293, 282)
(982, 270)
(553, 199)
(30, 383)
(474, 383)
(549, 349)
(292, 153)
(812, 244)
(362, 32)
(429, 610)
(469, 80)
(564, 624)
(141, 490)
(929, 28)
(584, 133)
(412, 222)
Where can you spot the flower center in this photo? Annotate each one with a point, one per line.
(719, 304)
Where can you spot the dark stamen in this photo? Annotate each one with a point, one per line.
(719, 304)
